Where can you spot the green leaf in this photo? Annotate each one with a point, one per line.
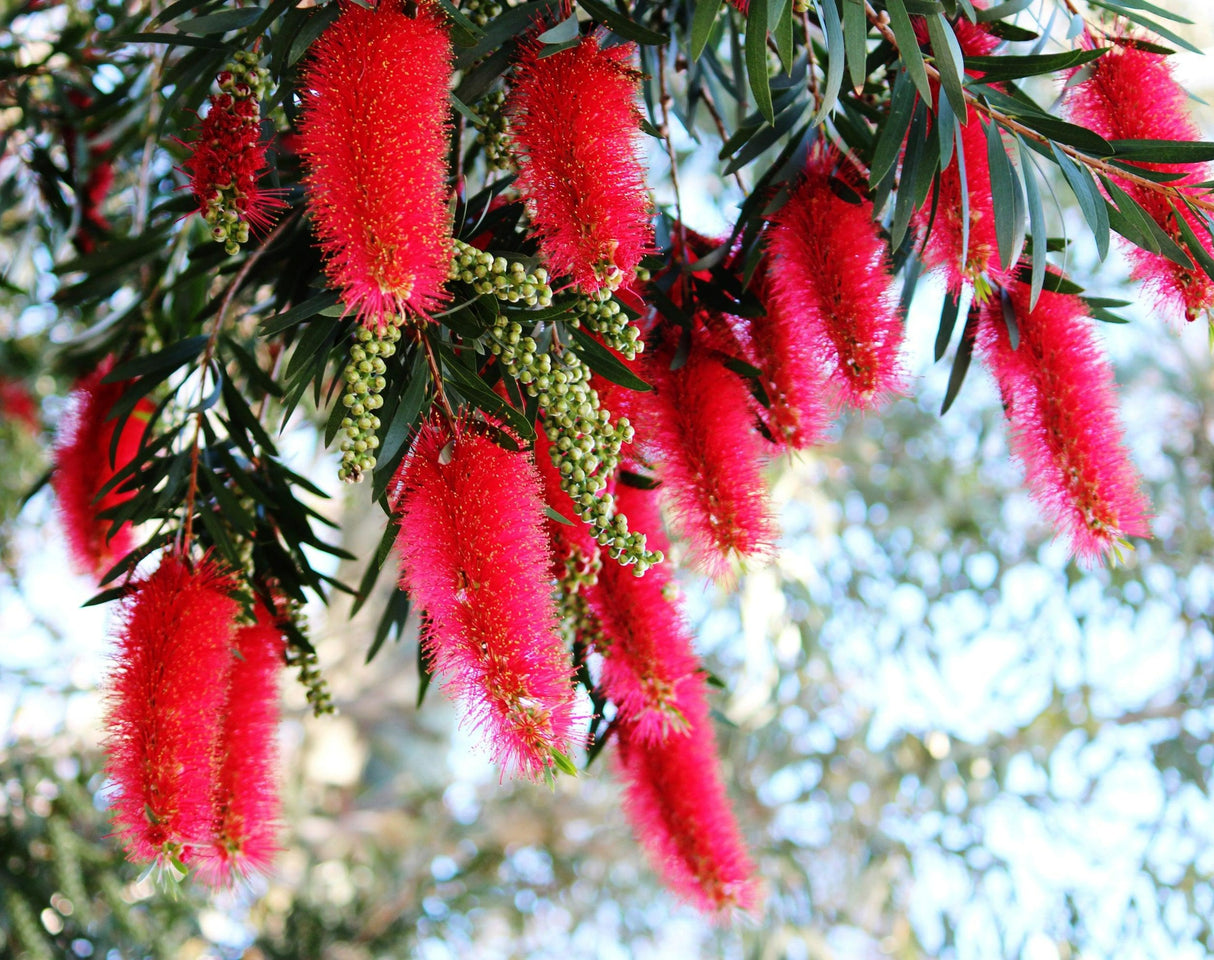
(961, 365)
(603, 362)
(701, 25)
(1001, 11)
(783, 33)
(1008, 309)
(1163, 151)
(1091, 203)
(220, 22)
(756, 59)
(553, 515)
(950, 61)
(908, 46)
(948, 320)
(563, 32)
(371, 574)
(999, 68)
(855, 41)
(628, 29)
(1037, 231)
(1125, 8)
(917, 145)
(157, 366)
(893, 133)
(423, 672)
(836, 55)
(1193, 245)
(475, 390)
(169, 39)
(1136, 225)
(1006, 196)
(310, 308)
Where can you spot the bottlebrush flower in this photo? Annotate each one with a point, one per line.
(82, 466)
(1130, 94)
(675, 798)
(976, 262)
(575, 125)
(244, 799)
(778, 344)
(228, 157)
(1059, 397)
(374, 137)
(474, 557)
(829, 274)
(166, 694)
(696, 426)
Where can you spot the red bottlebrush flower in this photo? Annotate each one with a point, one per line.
(675, 798)
(83, 466)
(829, 275)
(1131, 94)
(976, 262)
(244, 802)
(575, 125)
(1059, 398)
(698, 430)
(17, 405)
(227, 160)
(475, 558)
(374, 140)
(165, 700)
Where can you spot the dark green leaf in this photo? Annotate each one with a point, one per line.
(1008, 310)
(1091, 203)
(961, 365)
(298, 314)
(1163, 151)
(1000, 68)
(782, 33)
(701, 25)
(832, 27)
(756, 59)
(628, 29)
(1001, 11)
(220, 22)
(950, 61)
(1124, 8)
(157, 366)
(1037, 230)
(563, 32)
(170, 39)
(948, 320)
(893, 132)
(603, 362)
(855, 37)
(908, 46)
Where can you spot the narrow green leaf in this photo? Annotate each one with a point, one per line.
(832, 26)
(948, 320)
(1001, 11)
(1008, 309)
(1164, 151)
(603, 362)
(701, 25)
(950, 61)
(908, 46)
(756, 59)
(563, 32)
(159, 365)
(1002, 67)
(628, 29)
(916, 149)
(889, 143)
(1124, 8)
(1151, 235)
(1037, 230)
(855, 41)
(1006, 197)
(1091, 203)
(169, 39)
(1193, 244)
(782, 33)
(961, 365)
(220, 22)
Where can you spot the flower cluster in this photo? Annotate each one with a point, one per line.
(228, 156)
(374, 138)
(87, 456)
(191, 724)
(575, 126)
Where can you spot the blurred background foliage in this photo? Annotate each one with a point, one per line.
(943, 739)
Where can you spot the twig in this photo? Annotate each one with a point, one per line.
(881, 22)
(439, 393)
(809, 49)
(208, 353)
(711, 105)
(664, 101)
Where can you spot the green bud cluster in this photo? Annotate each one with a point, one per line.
(578, 623)
(244, 69)
(602, 314)
(481, 12)
(365, 382)
(509, 281)
(308, 673)
(494, 138)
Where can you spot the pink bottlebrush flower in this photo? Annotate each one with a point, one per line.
(979, 263)
(675, 797)
(1058, 394)
(166, 696)
(474, 557)
(82, 466)
(244, 801)
(374, 138)
(974, 39)
(828, 274)
(226, 162)
(696, 426)
(798, 413)
(575, 124)
(1131, 94)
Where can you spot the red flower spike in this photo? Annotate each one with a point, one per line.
(978, 264)
(699, 432)
(244, 803)
(82, 466)
(166, 695)
(1131, 94)
(575, 124)
(829, 275)
(1059, 397)
(675, 798)
(474, 557)
(374, 139)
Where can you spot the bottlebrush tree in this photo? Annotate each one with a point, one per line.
(432, 230)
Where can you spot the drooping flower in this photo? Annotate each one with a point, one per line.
(696, 426)
(575, 124)
(244, 799)
(373, 137)
(1129, 93)
(1059, 398)
(830, 282)
(83, 466)
(228, 157)
(675, 797)
(474, 557)
(165, 702)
